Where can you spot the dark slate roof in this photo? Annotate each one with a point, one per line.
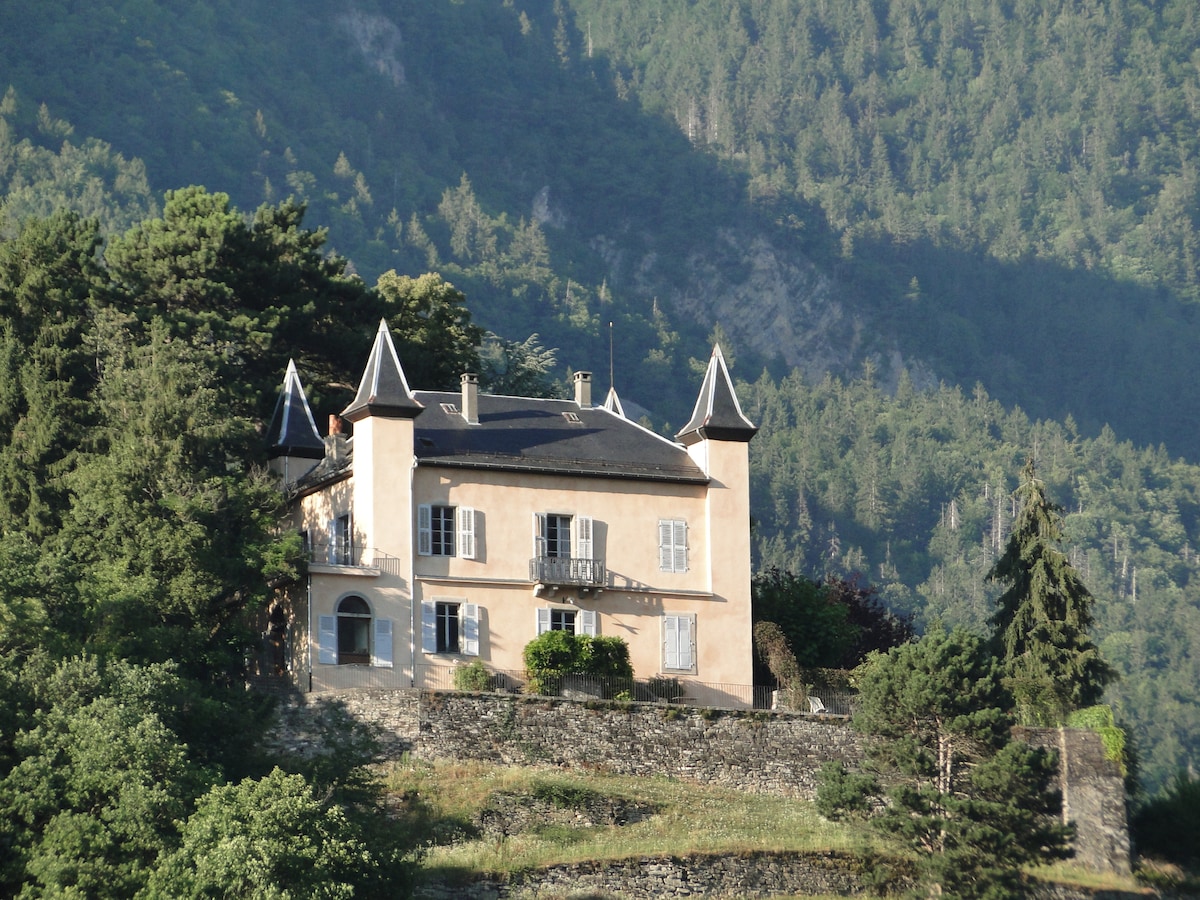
(718, 415)
(293, 432)
(547, 436)
(383, 390)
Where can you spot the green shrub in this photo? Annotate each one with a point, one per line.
(473, 677)
(608, 657)
(554, 654)
(1100, 720)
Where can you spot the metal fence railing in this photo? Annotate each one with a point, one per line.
(822, 700)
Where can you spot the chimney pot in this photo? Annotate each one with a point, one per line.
(335, 424)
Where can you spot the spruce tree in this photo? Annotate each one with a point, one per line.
(1041, 625)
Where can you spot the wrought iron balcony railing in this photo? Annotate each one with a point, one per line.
(562, 570)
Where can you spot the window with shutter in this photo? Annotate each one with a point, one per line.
(450, 626)
(672, 545)
(679, 643)
(559, 618)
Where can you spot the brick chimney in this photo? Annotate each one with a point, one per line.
(335, 440)
(583, 390)
(470, 398)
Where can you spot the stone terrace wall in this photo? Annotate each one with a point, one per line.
(758, 751)
(753, 751)
(647, 878)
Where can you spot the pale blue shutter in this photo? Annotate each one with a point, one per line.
(585, 622)
(466, 532)
(382, 655)
(679, 545)
(583, 537)
(470, 629)
(666, 556)
(687, 638)
(333, 542)
(429, 626)
(327, 640)
(424, 530)
(670, 642)
(543, 620)
(539, 535)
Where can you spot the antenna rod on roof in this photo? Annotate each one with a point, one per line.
(611, 385)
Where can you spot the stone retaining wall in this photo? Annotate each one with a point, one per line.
(753, 751)
(647, 878)
(759, 751)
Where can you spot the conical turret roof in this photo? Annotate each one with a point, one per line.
(383, 390)
(718, 415)
(293, 432)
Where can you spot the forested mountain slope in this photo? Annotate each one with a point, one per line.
(1000, 194)
(992, 192)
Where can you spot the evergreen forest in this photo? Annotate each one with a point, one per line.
(935, 238)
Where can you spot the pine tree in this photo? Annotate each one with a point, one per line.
(944, 775)
(1041, 625)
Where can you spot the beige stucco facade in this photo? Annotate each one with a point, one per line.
(684, 612)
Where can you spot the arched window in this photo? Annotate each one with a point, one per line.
(353, 632)
(353, 636)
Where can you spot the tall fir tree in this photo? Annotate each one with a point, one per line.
(1041, 625)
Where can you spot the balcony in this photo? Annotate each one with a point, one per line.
(347, 558)
(562, 571)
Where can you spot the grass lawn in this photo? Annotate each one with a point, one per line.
(452, 810)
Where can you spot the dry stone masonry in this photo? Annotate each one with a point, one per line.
(759, 751)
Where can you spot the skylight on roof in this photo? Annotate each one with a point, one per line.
(450, 409)
(573, 418)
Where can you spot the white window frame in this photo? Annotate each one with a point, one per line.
(679, 643)
(459, 534)
(586, 620)
(672, 545)
(580, 543)
(468, 626)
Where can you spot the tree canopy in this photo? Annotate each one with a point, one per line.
(974, 804)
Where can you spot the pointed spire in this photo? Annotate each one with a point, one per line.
(383, 390)
(718, 415)
(613, 403)
(293, 431)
